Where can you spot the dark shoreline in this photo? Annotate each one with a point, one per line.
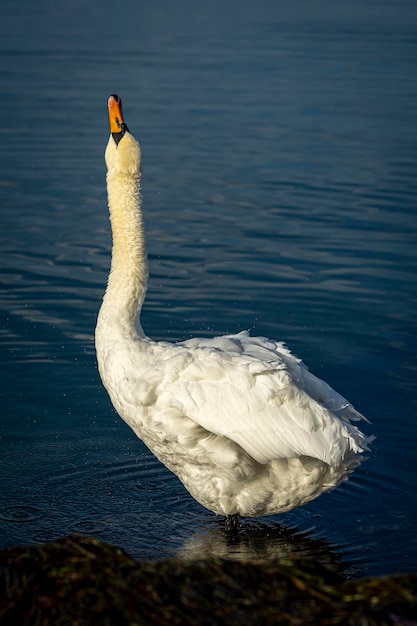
(79, 580)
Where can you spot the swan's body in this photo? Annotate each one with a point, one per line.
(243, 423)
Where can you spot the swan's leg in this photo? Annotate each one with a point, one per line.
(232, 523)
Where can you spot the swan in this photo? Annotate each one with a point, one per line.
(241, 421)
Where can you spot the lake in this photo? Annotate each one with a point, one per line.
(279, 147)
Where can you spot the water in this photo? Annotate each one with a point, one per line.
(280, 166)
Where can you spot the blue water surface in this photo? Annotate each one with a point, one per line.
(280, 166)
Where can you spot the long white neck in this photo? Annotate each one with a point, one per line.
(127, 282)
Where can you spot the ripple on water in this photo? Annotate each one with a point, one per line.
(146, 474)
(17, 513)
(46, 535)
(51, 446)
(88, 527)
(55, 451)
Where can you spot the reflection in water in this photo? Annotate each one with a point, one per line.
(259, 540)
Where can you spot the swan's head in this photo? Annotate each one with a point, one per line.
(123, 151)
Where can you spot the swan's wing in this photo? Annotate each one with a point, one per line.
(254, 392)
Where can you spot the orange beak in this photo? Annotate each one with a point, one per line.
(115, 113)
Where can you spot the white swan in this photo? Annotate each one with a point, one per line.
(242, 423)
